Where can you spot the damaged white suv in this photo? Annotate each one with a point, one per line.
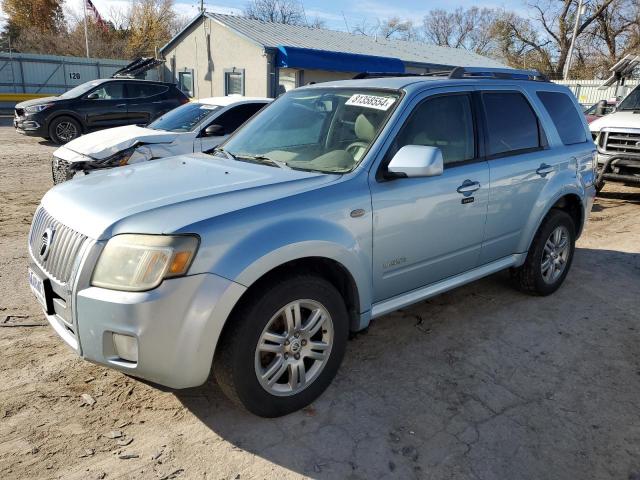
(197, 126)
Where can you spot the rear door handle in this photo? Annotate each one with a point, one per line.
(468, 187)
(544, 169)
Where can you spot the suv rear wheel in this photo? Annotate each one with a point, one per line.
(64, 129)
(283, 346)
(550, 256)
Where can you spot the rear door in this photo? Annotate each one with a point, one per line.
(146, 101)
(230, 119)
(520, 163)
(107, 109)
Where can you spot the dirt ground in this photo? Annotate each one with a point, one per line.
(481, 383)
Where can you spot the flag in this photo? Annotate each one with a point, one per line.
(96, 15)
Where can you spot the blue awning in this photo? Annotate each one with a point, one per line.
(295, 57)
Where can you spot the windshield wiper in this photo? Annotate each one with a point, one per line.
(260, 159)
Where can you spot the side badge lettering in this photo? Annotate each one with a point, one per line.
(467, 200)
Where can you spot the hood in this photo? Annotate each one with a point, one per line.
(38, 101)
(623, 119)
(165, 195)
(104, 143)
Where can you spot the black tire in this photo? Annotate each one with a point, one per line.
(234, 362)
(72, 126)
(529, 277)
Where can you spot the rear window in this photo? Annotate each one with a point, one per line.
(565, 117)
(512, 125)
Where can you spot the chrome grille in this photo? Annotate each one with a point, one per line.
(65, 246)
(622, 142)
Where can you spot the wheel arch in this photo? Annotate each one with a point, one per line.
(568, 201)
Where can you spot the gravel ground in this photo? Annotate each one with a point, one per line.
(482, 382)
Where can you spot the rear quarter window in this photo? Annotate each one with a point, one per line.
(565, 117)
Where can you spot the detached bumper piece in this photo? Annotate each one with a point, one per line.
(61, 170)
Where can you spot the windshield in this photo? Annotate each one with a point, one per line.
(320, 129)
(184, 118)
(80, 89)
(632, 101)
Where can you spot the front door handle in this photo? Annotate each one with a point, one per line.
(544, 170)
(468, 187)
(120, 105)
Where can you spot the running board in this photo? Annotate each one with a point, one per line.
(414, 296)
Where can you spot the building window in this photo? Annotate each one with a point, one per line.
(287, 80)
(185, 82)
(234, 81)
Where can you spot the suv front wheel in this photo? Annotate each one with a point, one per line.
(283, 346)
(549, 257)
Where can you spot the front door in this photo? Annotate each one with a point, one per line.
(427, 229)
(107, 106)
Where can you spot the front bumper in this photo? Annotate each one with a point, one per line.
(29, 124)
(176, 326)
(618, 168)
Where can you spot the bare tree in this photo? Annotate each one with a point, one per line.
(472, 29)
(389, 28)
(555, 20)
(278, 11)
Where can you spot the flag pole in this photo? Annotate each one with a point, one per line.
(86, 36)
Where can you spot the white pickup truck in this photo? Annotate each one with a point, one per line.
(617, 137)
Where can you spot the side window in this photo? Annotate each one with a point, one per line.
(565, 117)
(445, 122)
(144, 90)
(236, 116)
(512, 125)
(110, 91)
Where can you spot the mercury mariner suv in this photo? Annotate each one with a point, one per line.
(336, 204)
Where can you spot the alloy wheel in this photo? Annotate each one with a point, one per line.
(294, 347)
(555, 254)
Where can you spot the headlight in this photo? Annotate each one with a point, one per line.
(140, 262)
(38, 108)
(117, 159)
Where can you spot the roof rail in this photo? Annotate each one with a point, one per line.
(500, 73)
(466, 72)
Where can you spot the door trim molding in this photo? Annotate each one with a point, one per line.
(399, 301)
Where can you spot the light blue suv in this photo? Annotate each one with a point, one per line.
(338, 203)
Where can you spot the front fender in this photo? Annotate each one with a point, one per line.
(276, 244)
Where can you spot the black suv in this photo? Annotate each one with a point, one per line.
(94, 105)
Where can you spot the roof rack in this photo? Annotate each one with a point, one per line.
(466, 72)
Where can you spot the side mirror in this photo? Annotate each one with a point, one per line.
(601, 109)
(417, 161)
(93, 96)
(214, 130)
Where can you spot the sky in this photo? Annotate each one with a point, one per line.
(336, 14)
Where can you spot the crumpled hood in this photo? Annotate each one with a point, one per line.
(38, 101)
(623, 119)
(165, 195)
(104, 143)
